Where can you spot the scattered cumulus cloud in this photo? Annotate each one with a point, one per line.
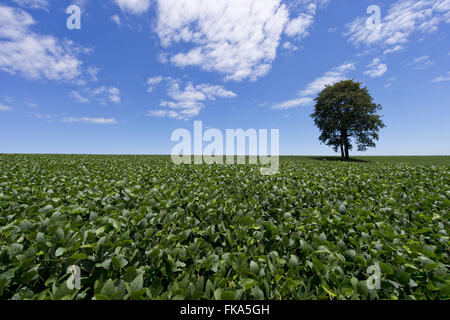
(70, 119)
(289, 46)
(163, 114)
(329, 78)
(421, 63)
(116, 19)
(88, 120)
(41, 116)
(404, 18)
(81, 3)
(4, 108)
(133, 6)
(33, 4)
(120, 22)
(76, 95)
(102, 95)
(238, 39)
(305, 96)
(153, 82)
(12, 104)
(186, 101)
(376, 68)
(114, 94)
(304, 101)
(393, 49)
(163, 57)
(213, 91)
(390, 82)
(32, 55)
(92, 72)
(442, 78)
(299, 26)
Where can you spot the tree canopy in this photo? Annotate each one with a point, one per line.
(346, 114)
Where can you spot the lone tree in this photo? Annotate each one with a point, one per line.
(344, 111)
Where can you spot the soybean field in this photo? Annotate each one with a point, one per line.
(140, 227)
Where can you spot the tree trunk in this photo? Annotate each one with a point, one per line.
(344, 138)
(342, 145)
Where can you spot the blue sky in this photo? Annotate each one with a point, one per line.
(139, 69)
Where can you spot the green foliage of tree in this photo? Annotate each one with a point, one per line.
(345, 114)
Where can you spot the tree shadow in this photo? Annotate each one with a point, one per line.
(337, 159)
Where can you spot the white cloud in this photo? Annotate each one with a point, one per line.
(289, 46)
(212, 92)
(376, 68)
(133, 6)
(237, 38)
(442, 78)
(4, 108)
(33, 4)
(32, 55)
(299, 26)
(404, 18)
(81, 3)
(163, 114)
(187, 101)
(293, 103)
(153, 82)
(390, 82)
(163, 58)
(116, 19)
(92, 72)
(47, 117)
(76, 95)
(103, 121)
(329, 78)
(421, 63)
(393, 49)
(335, 75)
(101, 95)
(114, 95)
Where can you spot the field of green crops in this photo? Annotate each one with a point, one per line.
(140, 227)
